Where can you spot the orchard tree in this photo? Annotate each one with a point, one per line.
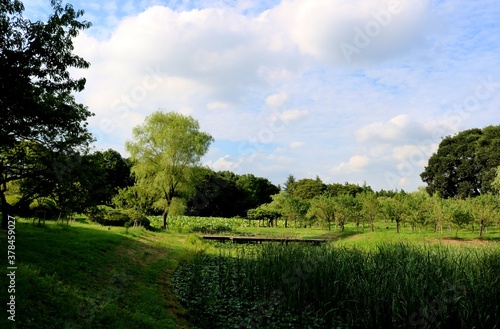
(165, 151)
(324, 208)
(370, 207)
(291, 208)
(437, 212)
(37, 101)
(485, 209)
(458, 213)
(393, 208)
(348, 210)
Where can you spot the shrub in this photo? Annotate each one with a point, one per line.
(137, 218)
(108, 216)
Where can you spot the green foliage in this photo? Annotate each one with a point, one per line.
(108, 216)
(291, 208)
(465, 165)
(418, 210)
(227, 194)
(324, 208)
(190, 224)
(307, 188)
(264, 214)
(164, 150)
(459, 214)
(37, 98)
(297, 286)
(101, 279)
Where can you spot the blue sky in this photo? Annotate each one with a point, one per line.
(352, 91)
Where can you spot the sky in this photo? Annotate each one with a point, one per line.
(351, 91)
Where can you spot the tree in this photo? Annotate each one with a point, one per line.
(291, 208)
(335, 189)
(324, 208)
(393, 208)
(290, 180)
(348, 209)
(495, 185)
(264, 214)
(36, 90)
(418, 209)
(307, 188)
(465, 164)
(371, 207)
(165, 150)
(256, 190)
(485, 210)
(458, 213)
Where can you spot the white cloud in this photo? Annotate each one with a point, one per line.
(402, 129)
(337, 31)
(296, 144)
(276, 100)
(224, 163)
(289, 115)
(270, 76)
(355, 164)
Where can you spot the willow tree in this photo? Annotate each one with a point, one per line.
(165, 150)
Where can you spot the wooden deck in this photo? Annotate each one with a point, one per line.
(247, 239)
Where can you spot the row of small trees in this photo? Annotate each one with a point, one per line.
(418, 210)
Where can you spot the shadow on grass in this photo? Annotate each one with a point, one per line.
(86, 277)
(339, 236)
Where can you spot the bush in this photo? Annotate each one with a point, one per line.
(44, 208)
(108, 216)
(137, 218)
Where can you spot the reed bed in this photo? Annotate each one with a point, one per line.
(299, 286)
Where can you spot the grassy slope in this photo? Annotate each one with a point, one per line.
(86, 276)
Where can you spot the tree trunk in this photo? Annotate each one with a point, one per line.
(397, 226)
(481, 228)
(5, 210)
(164, 218)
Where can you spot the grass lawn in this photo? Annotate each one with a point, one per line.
(86, 276)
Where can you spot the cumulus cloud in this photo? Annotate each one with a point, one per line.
(224, 163)
(358, 31)
(289, 115)
(296, 144)
(402, 129)
(355, 164)
(276, 100)
(269, 76)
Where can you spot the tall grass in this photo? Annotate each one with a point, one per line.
(396, 286)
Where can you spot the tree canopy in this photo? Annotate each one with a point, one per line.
(465, 165)
(37, 104)
(165, 151)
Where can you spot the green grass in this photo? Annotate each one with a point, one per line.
(86, 276)
(300, 286)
